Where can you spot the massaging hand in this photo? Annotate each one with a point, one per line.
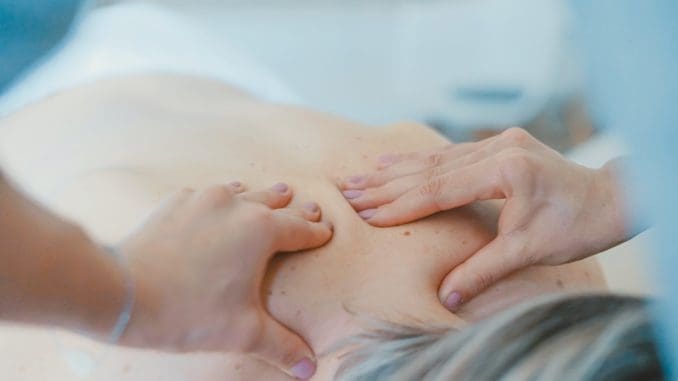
(199, 263)
(554, 212)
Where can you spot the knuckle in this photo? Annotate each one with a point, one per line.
(433, 160)
(217, 195)
(517, 136)
(517, 164)
(432, 173)
(433, 189)
(517, 250)
(481, 281)
(260, 215)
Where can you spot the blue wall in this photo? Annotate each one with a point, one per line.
(28, 30)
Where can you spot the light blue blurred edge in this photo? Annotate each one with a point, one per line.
(631, 48)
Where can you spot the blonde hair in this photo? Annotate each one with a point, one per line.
(586, 338)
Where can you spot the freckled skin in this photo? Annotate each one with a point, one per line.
(133, 140)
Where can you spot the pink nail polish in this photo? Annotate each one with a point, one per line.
(367, 213)
(453, 301)
(280, 187)
(311, 207)
(352, 193)
(303, 370)
(356, 179)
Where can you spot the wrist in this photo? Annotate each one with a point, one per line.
(610, 198)
(144, 321)
(86, 292)
(127, 308)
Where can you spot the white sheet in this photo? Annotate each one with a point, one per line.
(131, 38)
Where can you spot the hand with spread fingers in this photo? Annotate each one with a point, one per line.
(555, 211)
(198, 264)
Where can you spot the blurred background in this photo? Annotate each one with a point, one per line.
(466, 67)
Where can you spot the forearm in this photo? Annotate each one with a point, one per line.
(51, 273)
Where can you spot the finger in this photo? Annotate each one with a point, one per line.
(486, 267)
(362, 199)
(215, 196)
(403, 168)
(410, 164)
(310, 211)
(284, 349)
(480, 181)
(237, 187)
(374, 197)
(470, 153)
(386, 160)
(292, 233)
(278, 196)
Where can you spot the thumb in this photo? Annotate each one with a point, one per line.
(486, 267)
(284, 349)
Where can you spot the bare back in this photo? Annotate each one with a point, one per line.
(105, 154)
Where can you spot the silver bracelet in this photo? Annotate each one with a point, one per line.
(126, 312)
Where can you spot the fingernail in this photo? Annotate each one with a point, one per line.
(355, 179)
(367, 213)
(303, 370)
(311, 207)
(236, 184)
(453, 301)
(352, 193)
(386, 159)
(280, 187)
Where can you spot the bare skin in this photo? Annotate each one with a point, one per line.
(109, 152)
(196, 268)
(542, 190)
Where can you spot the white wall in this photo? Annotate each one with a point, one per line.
(379, 61)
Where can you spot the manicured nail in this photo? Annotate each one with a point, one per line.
(303, 370)
(311, 207)
(356, 179)
(453, 301)
(280, 187)
(352, 193)
(367, 213)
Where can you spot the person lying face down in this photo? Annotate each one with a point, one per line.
(124, 144)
